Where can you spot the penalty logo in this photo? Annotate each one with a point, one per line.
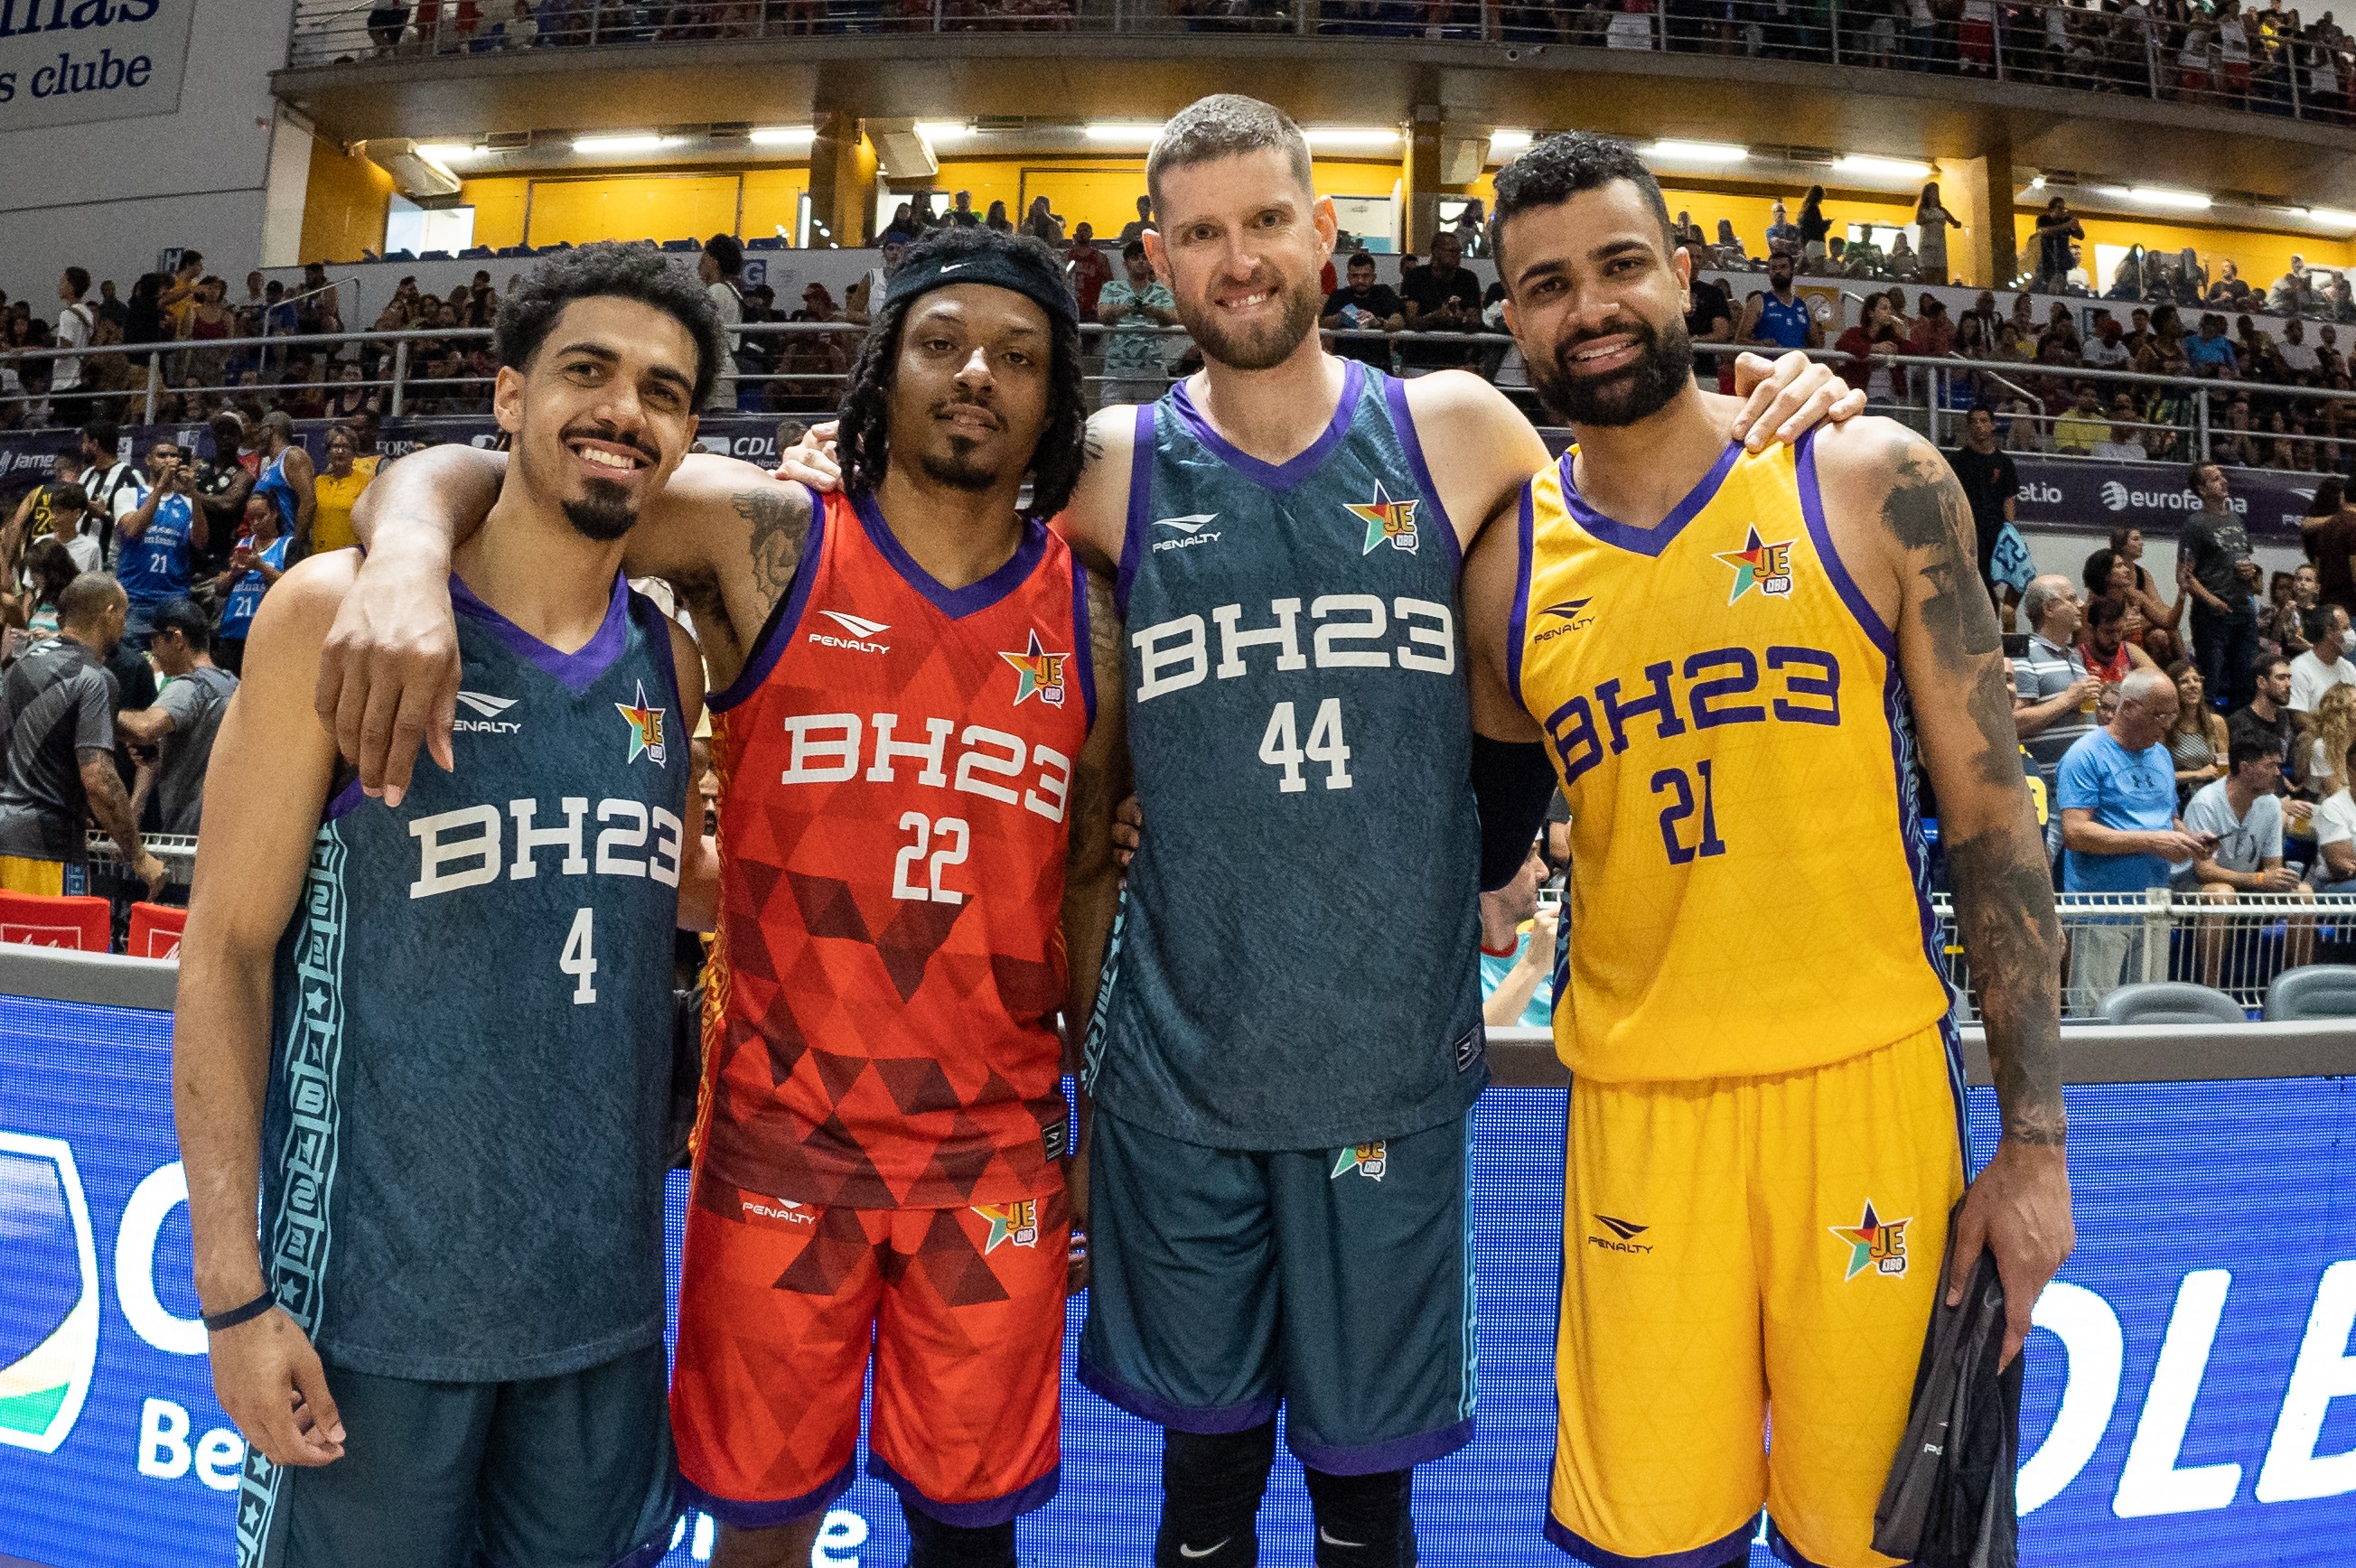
(1369, 1160)
(1387, 521)
(49, 1336)
(1873, 1243)
(645, 727)
(1017, 1223)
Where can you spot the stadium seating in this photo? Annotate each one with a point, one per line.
(2317, 991)
(2170, 1002)
(156, 930)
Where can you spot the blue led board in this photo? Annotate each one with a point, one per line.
(2191, 1395)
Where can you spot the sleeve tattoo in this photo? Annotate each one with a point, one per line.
(780, 521)
(2003, 888)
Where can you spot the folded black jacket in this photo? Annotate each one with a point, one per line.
(1951, 1497)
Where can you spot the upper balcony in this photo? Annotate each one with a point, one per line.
(2263, 115)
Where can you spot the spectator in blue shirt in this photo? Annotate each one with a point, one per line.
(159, 540)
(1517, 949)
(2116, 793)
(259, 560)
(2212, 351)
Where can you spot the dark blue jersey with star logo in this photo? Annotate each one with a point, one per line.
(464, 1139)
(1296, 964)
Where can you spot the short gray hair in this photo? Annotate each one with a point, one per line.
(2146, 685)
(2042, 591)
(1225, 125)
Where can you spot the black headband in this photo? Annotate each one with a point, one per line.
(998, 269)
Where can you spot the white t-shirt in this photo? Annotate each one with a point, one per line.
(2105, 355)
(2335, 820)
(2296, 355)
(73, 332)
(2233, 42)
(2120, 451)
(2243, 842)
(2310, 678)
(731, 309)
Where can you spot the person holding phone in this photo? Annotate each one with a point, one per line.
(255, 561)
(159, 540)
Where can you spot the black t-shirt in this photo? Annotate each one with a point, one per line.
(2217, 544)
(2244, 724)
(1710, 302)
(1988, 478)
(1427, 291)
(1379, 305)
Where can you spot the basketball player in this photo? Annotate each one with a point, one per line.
(436, 1035)
(1733, 658)
(917, 735)
(1277, 1173)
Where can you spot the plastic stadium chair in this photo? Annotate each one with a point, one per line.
(2172, 1002)
(436, 256)
(2317, 991)
(682, 246)
(156, 930)
(508, 253)
(765, 242)
(37, 921)
(476, 253)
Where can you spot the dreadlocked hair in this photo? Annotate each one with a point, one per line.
(862, 431)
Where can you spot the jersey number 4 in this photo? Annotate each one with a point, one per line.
(1280, 747)
(578, 958)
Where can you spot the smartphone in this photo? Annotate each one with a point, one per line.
(1549, 898)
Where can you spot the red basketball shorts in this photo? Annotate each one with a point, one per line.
(781, 1306)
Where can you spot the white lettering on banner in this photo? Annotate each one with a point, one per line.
(92, 59)
(221, 1455)
(2150, 1483)
(842, 1532)
(164, 1453)
(151, 1202)
(2090, 1336)
(2325, 1371)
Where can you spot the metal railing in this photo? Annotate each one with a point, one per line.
(408, 375)
(2118, 939)
(2071, 47)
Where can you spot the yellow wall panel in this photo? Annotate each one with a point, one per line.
(1104, 191)
(632, 206)
(499, 207)
(344, 204)
(773, 201)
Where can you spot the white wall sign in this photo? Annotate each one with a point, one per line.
(63, 63)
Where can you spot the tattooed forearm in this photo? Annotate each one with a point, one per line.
(781, 522)
(2004, 910)
(1927, 512)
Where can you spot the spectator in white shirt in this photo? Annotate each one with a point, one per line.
(2107, 349)
(2321, 669)
(68, 407)
(2244, 814)
(2299, 355)
(722, 264)
(2125, 444)
(2335, 840)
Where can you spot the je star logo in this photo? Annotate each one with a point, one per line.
(1387, 521)
(1017, 1223)
(1042, 673)
(645, 727)
(1874, 1243)
(1766, 566)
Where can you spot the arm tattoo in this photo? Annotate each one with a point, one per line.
(2003, 887)
(781, 520)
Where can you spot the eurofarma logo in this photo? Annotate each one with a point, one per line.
(48, 1296)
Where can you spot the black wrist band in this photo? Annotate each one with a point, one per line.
(216, 1321)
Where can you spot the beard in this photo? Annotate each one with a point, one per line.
(605, 513)
(1256, 348)
(957, 467)
(1663, 369)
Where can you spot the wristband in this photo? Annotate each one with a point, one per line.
(216, 1321)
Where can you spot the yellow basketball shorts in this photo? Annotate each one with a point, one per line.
(1749, 1266)
(46, 879)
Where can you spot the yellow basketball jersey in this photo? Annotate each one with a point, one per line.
(1723, 707)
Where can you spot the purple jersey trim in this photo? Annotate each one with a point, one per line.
(1717, 1555)
(1403, 422)
(1654, 541)
(1375, 1459)
(576, 671)
(1812, 507)
(655, 626)
(968, 1516)
(1781, 1545)
(347, 799)
(762, 657)
(1518, 623)
(1140, 497)
(1215, 1422)
(1082, 648)
(1294, 469)
(762, 1515)
(955, 602)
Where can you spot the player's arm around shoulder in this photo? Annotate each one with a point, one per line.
(725, 524)
(1101, 780)
(699, 873)
(1478, 445)
(1095, 522)
(265, 790)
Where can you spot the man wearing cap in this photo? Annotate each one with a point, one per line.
(917, 699)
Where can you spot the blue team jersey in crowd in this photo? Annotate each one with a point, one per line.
(465, 1137)
(154, 567)
(272, 484)
(245, 594)
(1296, 962)
(1782, 323)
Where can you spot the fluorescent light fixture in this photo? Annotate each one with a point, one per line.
(781, 136)
(445, 151)
(1508, 143)
(2160, 196)
(1867, 164)
(631, 144)
(1697, 151)
(1352, 136)
(2327, 215)
(943, 130)
(1121, 131)
(2037, 184)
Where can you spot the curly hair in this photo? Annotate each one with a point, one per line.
(862, 433)
(1564, 166)
(628, 272)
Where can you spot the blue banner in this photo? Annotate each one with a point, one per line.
(2191, 1392)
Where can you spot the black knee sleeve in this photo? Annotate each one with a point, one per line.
(1211, 1488)
(932, 1544)
(1363, 1521)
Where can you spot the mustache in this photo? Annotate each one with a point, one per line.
(1566, 350)
(598, 430)
(943, 408)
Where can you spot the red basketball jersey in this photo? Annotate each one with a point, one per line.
(895, 767)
